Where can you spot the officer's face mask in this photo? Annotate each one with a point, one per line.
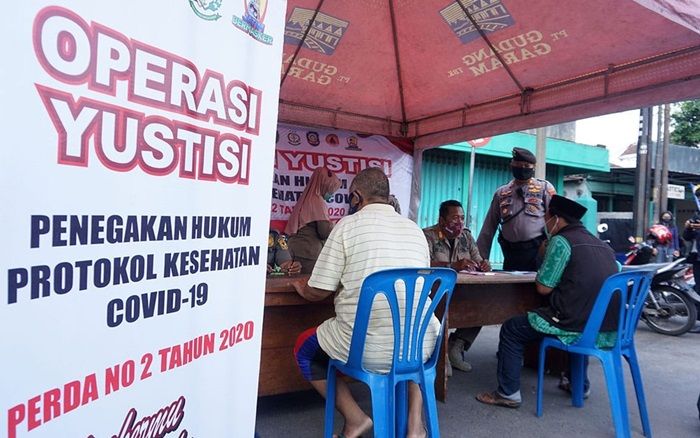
(546, 229)
(522, 173)
(454, 227)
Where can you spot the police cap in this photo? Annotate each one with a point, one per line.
(570, 210)
(521, 154)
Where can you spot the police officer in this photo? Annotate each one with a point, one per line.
(517, 212)
(279, 260)
(453, 246)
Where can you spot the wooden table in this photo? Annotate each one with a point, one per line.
(477, 301)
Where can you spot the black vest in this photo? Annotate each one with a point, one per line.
(591, 263)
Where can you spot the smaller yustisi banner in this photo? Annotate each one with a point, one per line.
(300, 150)
(138, 143)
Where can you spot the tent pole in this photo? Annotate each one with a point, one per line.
(641, 175)
(541, 153)
(664, 158)
(658, 156)
(470, 217)
(397, 58)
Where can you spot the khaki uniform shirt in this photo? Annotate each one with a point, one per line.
(441, 247)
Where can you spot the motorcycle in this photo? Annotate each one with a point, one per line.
(672, 306)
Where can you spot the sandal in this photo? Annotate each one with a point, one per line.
(495, 399)
(565, 385)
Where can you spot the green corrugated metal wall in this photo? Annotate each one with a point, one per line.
(443, 178)
(446, 176)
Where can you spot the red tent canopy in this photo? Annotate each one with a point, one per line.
(439, 71)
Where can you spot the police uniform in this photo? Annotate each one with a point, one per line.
(277, 249)
(518, 210)
(445, 250)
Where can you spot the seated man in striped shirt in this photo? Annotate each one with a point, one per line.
(374, 238)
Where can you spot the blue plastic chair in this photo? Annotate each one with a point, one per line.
(389, 391)
(632, 288)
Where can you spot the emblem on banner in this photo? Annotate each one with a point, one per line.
(282, 242)
(252, 21)
(332, 140)
(323, 37)
(352, 144)
(490, 15)
(206, 9)
(312, 138)
(294, 139)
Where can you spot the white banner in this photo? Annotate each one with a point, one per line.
(137, 144)
(301, 149)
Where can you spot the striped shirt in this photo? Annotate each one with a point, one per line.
(370, 240)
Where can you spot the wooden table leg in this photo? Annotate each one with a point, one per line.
(441, 376)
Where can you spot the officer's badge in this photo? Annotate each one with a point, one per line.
(282, 241)
(352, 144)
(312, 138)
(294, 138)
(270, 240)
(332, 140)
(506, 202)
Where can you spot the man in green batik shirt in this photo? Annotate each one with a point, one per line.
(575, 266)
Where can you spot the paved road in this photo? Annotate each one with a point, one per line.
(670, 369)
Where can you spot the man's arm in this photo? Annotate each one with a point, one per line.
(542, 289)
(310, 293)
(555, 260)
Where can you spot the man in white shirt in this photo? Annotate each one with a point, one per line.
(374, 238)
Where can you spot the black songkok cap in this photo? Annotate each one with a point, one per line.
(565, 207)
(520, 154)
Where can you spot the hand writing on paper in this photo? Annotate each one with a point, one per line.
(465, 265)
(484, 266)
(290, 267)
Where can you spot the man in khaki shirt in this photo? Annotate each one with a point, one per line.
(453, 246)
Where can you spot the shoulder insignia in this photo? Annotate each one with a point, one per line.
(282, 241)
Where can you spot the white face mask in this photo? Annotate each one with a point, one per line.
(546, 230)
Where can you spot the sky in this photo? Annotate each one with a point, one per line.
(616, 131)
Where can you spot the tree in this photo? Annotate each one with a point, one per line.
(686, 124)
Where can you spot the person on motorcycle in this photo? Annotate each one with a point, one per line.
(659, 238)
(671, 250)
(646, 252)
(692, 234)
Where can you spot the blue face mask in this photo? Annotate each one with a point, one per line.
(354, 208)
